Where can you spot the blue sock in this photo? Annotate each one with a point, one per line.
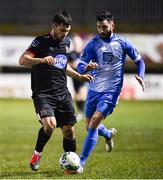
(89, 145)
(103, 131)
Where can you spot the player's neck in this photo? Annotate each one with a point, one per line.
(108, 38)
(112, 34)
(53, 36)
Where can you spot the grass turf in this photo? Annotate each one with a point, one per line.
(138, 152)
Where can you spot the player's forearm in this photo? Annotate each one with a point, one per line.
(140, 68)
(27, 60)
(72, 73)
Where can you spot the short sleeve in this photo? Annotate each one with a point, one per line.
(35, 46)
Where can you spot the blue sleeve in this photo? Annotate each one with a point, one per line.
(86, 57)
(135, 56)
(132, 51)
(140, 68)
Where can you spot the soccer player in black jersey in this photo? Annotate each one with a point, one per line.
(48, 56)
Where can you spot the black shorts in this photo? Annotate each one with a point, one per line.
(60, 106)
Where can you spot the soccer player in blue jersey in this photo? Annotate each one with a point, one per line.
(104, 57)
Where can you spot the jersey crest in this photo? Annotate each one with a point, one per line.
(34, 43)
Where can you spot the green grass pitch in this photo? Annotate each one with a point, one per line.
(138, 149)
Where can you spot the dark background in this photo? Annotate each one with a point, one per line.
(33, 17)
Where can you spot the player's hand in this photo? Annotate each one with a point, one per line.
(141, 82)
(91, 66)
(86, 77)
(48, 60)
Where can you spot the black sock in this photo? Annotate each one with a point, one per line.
(41, 140)
(69, 145)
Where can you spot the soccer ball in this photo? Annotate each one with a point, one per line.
(69, 161)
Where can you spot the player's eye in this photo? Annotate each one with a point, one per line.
(99, 27)
(65, 30)
(104, 27)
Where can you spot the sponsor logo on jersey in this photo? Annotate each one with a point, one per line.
(108, 58)
(34, 43)
(60, 61)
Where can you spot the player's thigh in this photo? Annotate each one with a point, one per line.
(90, 108)
(96, 119)
(105, 108)
(45, 113)
(65, 113)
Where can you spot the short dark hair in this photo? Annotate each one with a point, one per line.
(62, 17)
(105, 15)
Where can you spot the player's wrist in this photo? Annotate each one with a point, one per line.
(80, 77)
(42, 61)
(86, 68)
(142, 77)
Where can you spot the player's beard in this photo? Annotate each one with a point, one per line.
(60, 38)
(57, 37)
(105, 36)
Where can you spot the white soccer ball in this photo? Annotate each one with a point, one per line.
(69, 161)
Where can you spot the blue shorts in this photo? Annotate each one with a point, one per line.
(102, 102)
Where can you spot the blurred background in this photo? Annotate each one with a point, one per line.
(139, 147)
(141, 21)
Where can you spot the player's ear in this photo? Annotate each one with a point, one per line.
(113, 25)
(54, 26)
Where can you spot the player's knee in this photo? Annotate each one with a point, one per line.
(53, 124)
(68, 133)
(49, 126)
(93, 124)
(95, 121)
(87, 123)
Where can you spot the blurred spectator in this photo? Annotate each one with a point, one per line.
(159, 49)
(80, 87)
(147, 58)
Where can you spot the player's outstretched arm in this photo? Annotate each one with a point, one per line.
(28, 59)
(74, 74)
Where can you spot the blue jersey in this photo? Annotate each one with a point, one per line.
(110, 55)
